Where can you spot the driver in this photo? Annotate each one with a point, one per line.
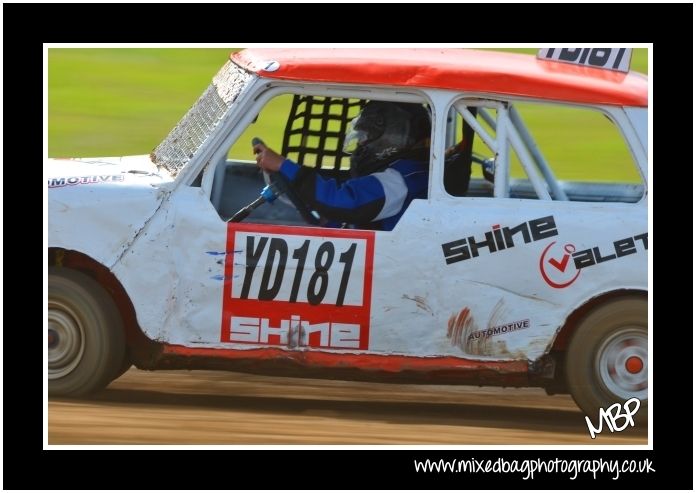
(388, 145)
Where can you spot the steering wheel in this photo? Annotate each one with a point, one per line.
(287, 194)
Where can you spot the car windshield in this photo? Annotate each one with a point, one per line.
(187, 137)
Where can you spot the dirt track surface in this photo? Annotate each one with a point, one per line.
(222, 408)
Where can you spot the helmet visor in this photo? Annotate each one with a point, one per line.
(354, 138)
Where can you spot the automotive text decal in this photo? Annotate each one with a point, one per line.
(81, 180)
(295, 286)
(499, 329)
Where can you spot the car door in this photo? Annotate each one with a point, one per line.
(494, 276)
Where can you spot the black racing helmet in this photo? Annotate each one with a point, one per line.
(383, 132)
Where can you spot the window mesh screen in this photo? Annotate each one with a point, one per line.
(186, 138)
(316, 128)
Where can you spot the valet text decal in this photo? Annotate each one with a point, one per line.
(558, 271)
(288, 286)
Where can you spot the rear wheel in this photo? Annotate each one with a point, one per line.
(85, 334)
(607, 359)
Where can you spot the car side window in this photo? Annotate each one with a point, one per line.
(554, 152)
(307, 129)
(310, 131)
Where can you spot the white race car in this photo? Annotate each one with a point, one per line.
(508, 276)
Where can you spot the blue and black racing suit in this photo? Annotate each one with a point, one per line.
(374, 201)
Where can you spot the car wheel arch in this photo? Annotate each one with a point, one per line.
(566, 330)
(139, 348)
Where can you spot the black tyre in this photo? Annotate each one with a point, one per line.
(125, 365)
(85, 334)
(607, 359)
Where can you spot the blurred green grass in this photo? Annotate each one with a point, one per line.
(123, 101)
(113, 102)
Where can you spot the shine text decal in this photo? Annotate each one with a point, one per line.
(498, 239)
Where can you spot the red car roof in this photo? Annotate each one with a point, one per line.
(460, 69)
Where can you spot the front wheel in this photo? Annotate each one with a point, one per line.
(607, 359)
(85, 334)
